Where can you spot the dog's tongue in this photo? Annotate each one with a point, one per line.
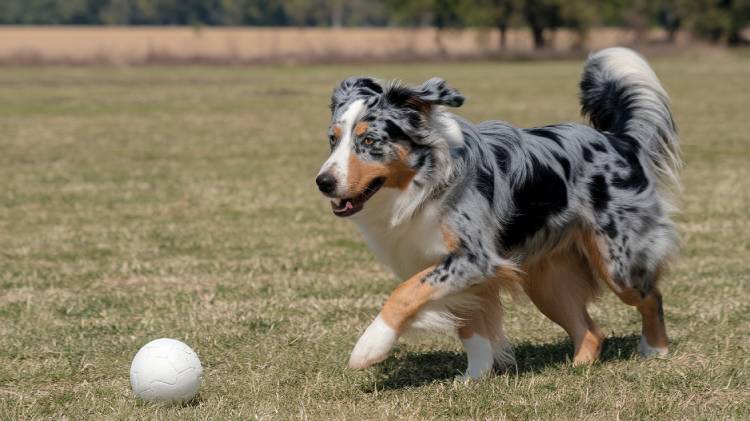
(349, 205)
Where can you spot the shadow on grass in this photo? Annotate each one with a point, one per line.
(412, 370)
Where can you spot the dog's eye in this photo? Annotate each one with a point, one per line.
(331, 139)
(369, 141)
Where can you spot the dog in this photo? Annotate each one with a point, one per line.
(463, 211)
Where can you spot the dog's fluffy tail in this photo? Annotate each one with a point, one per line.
(621, 94)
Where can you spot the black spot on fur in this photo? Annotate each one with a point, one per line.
(540, 196)
(587, 155)
(564, 163)
(370, 84)
(394, 131)
(547, 132)
(502, 158)
(423, 158)
(611, 229)
(599, 193)
(598, 147)
(414, 118)
(485, 183)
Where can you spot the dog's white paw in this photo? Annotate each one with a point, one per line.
(373, 346)
(480, 355)
(648, 351)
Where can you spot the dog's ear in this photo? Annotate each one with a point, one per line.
(362, 87)
(436, 91)
(423, 97)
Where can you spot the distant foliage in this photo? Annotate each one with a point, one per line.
(715, 20)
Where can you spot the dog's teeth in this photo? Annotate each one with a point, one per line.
(337, 202)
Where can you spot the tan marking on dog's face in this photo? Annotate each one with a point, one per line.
(360, 128)
(337, 131)
(361, 173)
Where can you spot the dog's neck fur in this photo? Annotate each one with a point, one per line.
(403, 227)
(405, 248)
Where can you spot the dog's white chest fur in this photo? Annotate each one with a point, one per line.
(408, 247)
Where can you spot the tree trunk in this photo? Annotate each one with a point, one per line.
(337, 14)
(538, 33)
(442, 51)
(672, 35)
(503, 28)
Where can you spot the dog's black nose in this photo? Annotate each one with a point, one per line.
(326, 183)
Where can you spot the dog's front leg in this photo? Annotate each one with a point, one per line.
(403, 304)
(455, 274)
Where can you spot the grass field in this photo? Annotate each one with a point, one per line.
(138, 203)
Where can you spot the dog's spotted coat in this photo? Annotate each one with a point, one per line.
(508, 198)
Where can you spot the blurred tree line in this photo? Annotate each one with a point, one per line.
(715, 20)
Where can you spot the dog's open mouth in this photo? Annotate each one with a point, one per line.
(350, 206)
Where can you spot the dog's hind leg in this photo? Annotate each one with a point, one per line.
(654, 332)
(646, 297)
(561, 285)
(481, 331)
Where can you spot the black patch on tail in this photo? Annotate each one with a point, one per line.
(628, 148)
(607, 103)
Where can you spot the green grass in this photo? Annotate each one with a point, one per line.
(179, 202)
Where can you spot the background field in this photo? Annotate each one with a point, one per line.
(179, 201)
(35, 45)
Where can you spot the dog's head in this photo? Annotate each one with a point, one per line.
(378, 138)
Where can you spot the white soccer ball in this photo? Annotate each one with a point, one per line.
(166, 370)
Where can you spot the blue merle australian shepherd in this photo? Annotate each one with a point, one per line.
(461, 211)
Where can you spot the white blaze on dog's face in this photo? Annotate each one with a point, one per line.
(376, 139)
(342, 132)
